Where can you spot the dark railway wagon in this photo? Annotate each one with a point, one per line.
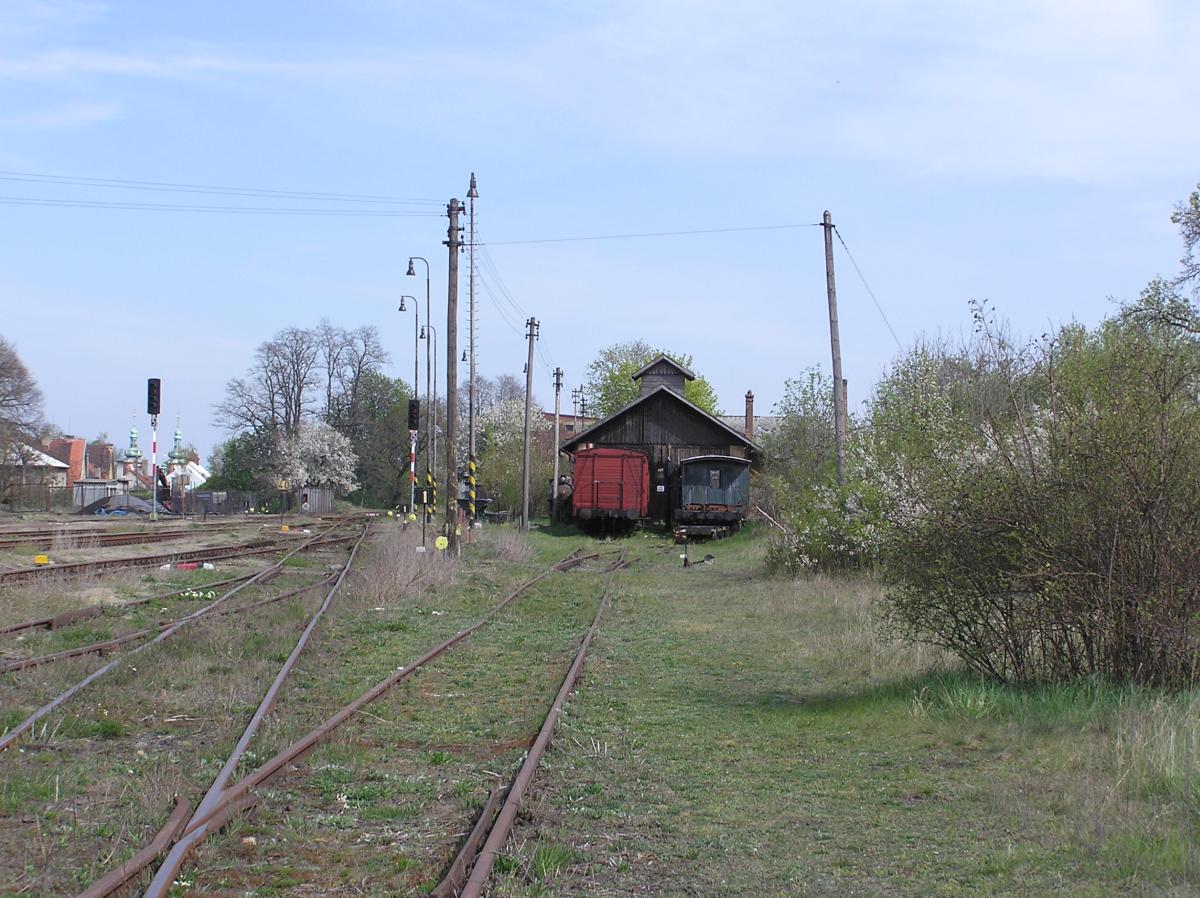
(610, 484)
(710, 491)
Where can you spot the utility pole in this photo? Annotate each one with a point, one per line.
(839, 385)
(531, 333)
(558, 377)
(472, 195)
(454, 242)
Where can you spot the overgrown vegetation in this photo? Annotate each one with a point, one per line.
(1032, 503)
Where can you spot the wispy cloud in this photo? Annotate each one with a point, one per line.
(69, 115)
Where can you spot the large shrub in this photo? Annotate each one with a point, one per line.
(1041, 500)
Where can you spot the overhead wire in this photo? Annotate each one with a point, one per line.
(173, 187)
(870, 292)
(220, 210)
(773, 227)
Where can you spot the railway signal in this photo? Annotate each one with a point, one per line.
(414, 424)
(153, 408)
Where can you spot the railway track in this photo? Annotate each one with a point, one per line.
(48, 540)
(18, 730)
(85, 568)
(186, 828)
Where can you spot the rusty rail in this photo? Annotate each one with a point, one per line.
(47, 539)
(456, 873)
(213, 553)
(144, 858)
(203, 825)
(13, 734)
(107, 645)
(90, 611)
(213, 797)
(482, 869)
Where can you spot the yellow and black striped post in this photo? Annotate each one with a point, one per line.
(471, 491)
(431, 494)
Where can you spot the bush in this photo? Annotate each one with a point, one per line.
(1041, 500)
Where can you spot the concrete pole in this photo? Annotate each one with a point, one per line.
(839, 411)
(532, 334)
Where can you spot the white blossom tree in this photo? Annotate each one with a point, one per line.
(317, 456)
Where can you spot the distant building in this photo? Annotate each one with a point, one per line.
(667, 428)
(69, 450)
(24, 465)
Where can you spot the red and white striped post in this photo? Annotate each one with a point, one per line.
(412, 472)
(154, 467)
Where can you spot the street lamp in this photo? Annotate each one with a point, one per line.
(430, 377)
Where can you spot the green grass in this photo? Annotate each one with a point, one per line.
(742, 735)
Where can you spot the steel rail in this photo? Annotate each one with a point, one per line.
(132, 867)
(107, 645)
(89, 611)
(13, 734)
(212, 798)
(241, 794)
(212, 553)
(48, 539)
(482, 869)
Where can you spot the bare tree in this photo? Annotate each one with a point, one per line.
(20, 398)
(1187, 216)
(276, 393)
(333, 344)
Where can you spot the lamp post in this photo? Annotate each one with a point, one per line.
(412, 468)
(429, 375)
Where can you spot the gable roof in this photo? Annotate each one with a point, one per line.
(24, 455)
(582, 436)
(641, 372)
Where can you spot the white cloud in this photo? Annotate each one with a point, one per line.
(69, 115)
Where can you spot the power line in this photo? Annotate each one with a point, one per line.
(776, 227)
(170, 187)
(236, 210)
(870, 292)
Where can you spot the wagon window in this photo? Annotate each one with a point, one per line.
(714, 478)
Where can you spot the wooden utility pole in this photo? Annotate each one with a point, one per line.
(839, 385)
(531, 333)
(454, 242)
(558, 377)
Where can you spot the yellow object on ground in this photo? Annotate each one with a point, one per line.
(41, 560)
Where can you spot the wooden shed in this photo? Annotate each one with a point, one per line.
(666, 427)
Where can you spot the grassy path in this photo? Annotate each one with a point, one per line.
(741, 735)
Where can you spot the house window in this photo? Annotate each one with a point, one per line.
(714, 478)
(570, 428)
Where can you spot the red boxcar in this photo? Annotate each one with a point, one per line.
(611, 483)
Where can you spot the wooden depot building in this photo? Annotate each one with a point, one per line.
(666, 427)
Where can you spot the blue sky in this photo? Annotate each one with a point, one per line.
(1027, 153)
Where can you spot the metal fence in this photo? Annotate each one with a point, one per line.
(37, 497)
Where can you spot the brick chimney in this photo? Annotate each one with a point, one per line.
(749, 428)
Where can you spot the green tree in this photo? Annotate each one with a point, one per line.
(243, 462)
(610, 384)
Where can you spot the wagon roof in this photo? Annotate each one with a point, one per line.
(582, 436)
